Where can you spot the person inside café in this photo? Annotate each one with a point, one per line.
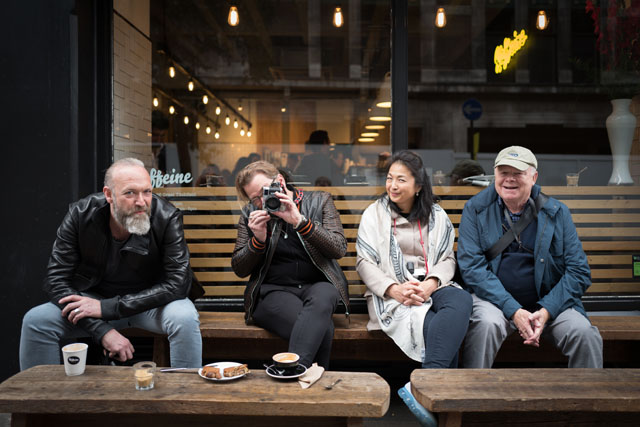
(289, 242)
(406, 260)
(519, 252)
(464, 169)
(316, 162)
(119, 260)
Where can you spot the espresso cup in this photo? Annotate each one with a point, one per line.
(75, 358)
(285, 360)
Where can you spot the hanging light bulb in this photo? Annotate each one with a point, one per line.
(366, 139)
(198, 125)
(235, 123)
(227, 120)
(242, 131)
(171, 109)
(542, 22)
(374, 127)
(338, 18)
(186, 120)
(155, 101)
(205, 99)
(369, 134)
(283, 109)
(441, 18)
(234, 17)
(240, 106)
(208, 129)
(216, 135)
(172, 71)
(249, 133)
(190, 85)
(218, 110)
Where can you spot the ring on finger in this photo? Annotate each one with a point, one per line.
(77, 310)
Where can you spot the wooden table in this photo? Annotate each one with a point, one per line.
(531, 396)
(105, 395)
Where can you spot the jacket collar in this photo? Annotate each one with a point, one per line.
(135, 243)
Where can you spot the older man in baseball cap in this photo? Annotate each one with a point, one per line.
(519, 253)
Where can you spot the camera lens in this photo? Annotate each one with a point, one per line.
(272, 203)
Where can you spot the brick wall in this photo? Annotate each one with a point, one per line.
(131, 92)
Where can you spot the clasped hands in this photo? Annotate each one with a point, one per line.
(259, 218)
(412, 292)
(77, 307)
(530, 325)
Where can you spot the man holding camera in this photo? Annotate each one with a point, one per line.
(289, 242)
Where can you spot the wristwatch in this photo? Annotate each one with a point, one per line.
(303, 220)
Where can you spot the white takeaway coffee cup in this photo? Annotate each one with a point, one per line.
(75, 358)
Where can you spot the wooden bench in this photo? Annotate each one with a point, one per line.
(529, 396)
(225, 336)
(105, 396)
(607, 220)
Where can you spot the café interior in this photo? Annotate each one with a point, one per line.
(202, 88)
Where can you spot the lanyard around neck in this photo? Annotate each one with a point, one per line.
(424, 252)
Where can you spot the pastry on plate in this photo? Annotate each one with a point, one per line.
(234, 371)
(211, 372)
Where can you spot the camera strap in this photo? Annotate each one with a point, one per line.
(424, 252)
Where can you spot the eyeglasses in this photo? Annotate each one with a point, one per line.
(256, 201)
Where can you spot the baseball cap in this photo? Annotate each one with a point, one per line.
(519, 157)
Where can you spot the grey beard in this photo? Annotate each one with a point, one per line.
(133, 223)
(137, 224)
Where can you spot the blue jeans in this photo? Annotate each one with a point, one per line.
(445, 326)
(43, 327)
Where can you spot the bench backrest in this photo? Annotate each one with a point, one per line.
(607, 219)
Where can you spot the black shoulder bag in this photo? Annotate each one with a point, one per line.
(517, 228)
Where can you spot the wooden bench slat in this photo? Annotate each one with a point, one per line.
(210, 219)
(238, 291)
(350, 261)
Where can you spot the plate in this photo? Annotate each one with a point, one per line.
(222, 366)
(299, 371)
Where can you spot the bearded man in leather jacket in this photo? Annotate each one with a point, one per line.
(291, 254)
(119, 260)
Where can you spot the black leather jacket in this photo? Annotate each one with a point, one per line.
(79, 256)
(324, 245)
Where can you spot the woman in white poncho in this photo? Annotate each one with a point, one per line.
(405, 257)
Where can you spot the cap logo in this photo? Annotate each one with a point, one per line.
(513, 154)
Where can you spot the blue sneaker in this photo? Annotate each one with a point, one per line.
(425, 418)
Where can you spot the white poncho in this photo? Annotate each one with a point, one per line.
(377, 245)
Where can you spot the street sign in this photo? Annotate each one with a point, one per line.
(472, 109)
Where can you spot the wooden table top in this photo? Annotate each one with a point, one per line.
(110, 389)
(489, 390)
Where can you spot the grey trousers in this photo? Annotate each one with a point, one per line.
(570, 332)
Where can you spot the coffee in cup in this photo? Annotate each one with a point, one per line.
(75, 358)
(144, 375)
(285, 360)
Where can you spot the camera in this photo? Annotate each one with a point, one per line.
(418, 273)
(270, 201)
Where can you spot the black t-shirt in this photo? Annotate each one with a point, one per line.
(291, 265)
(119, 278)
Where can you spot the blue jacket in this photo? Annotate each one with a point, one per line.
(562, 274)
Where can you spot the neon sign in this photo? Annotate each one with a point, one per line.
(504, 52)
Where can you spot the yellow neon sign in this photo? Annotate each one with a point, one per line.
(504, 52)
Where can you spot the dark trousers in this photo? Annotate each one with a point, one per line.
(445, 326)
(302, 315)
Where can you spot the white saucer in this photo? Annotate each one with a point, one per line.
(222, 366)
